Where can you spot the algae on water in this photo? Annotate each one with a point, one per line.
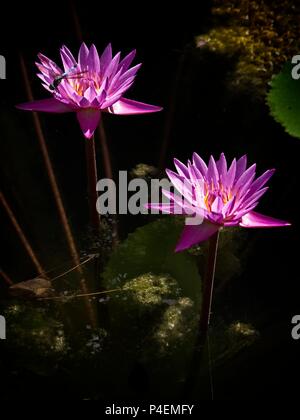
(257, 35)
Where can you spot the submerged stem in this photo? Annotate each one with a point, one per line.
(208, 285)
(6, 278)
(92, 182)
(57, 196)
(205, 312)
(102, 292)
(23, 238)
(108, 174)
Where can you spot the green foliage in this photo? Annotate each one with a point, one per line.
(228, 340)
(152, 326)
(284, 100)
(149, 289)
(153, 318)
(35, 338)
(255, 36)
(150, 249)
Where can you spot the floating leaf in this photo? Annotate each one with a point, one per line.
(284, 100)
(150, 249)
(152, 321)
(153, 318)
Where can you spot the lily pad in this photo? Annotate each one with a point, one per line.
(284, 100)
(151, 249)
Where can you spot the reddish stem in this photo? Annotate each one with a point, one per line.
(208, 286)
(92, 178)
(108, 174)
(6, 278)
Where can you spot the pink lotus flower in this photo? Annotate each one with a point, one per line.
(220, 196)
(88, 86)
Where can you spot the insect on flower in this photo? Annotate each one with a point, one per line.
(88, 86)
(66, 75)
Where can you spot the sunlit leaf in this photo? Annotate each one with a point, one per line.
(284, 100)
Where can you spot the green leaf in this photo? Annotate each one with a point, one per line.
(284, 100)
(153, 320)
(151, 249)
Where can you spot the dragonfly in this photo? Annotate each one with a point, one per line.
(66, 75)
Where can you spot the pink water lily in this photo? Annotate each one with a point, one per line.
(222, 196)
(88, 86)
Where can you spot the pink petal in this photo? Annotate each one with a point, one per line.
(125, 63)
(261, 181)
(200, 164)
(199, 184)
(130, 73)
(231, 223)
(94, 60)
(195, 234)
(119, 89)
(222, 166)
(192, 175)
(112, 67)
(182, 184)
(212, 172)
(181, 168)
(114, 83)
(88, 120)
(102, 93)
(168, 208)
(46, 105)
(217, 205)
(244, 177)
(45, 78)
(241, 213)
(83, 56)
(106, 58)
(241, 165)
(228, 207)
(110, 101)
(257, 220)
(49, 64)
(243, 192)
(47, 72)
(181, 205)
(230, 177)
(254, 197)
(67, 58)
(130, 107)
(90, 93)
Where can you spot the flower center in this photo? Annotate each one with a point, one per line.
(212, 192)
(81, 83)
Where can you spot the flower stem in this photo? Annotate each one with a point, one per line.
(208, 286)
(57, 196)
(6, 278)
(24, 240)
(105, 151)
(202, 332)
(108, 174)
(92, 182)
